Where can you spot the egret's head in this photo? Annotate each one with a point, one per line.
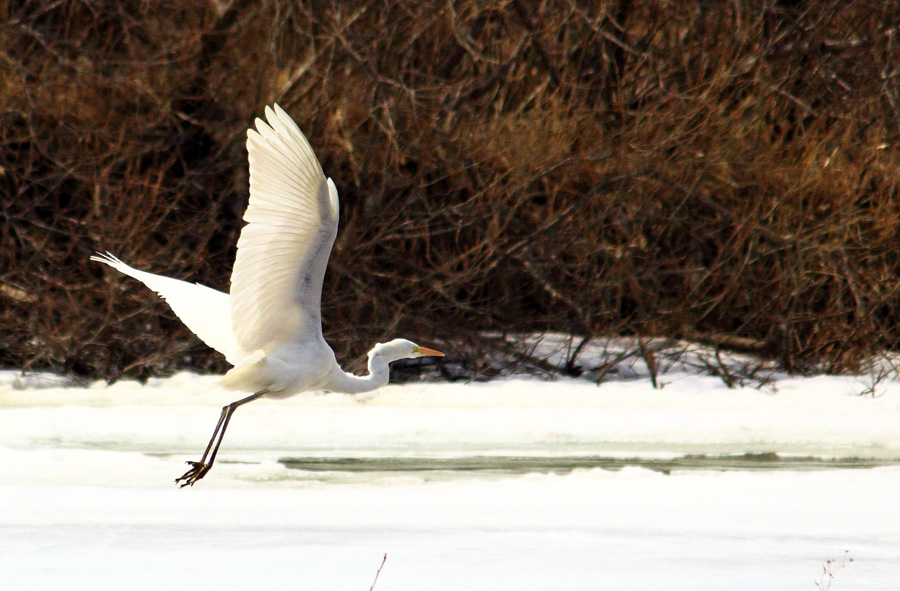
(402, 349)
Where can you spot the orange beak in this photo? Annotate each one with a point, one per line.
(425, 351)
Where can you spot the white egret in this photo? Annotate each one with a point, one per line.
(269, 327)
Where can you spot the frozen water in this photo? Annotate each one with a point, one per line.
(88, 499)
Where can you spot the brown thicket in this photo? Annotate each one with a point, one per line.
(717, 171)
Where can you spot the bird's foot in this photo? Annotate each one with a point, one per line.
(198, 470)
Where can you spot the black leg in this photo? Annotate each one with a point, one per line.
(199, 469)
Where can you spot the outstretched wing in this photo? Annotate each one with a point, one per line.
(292, 218)
(204, 310)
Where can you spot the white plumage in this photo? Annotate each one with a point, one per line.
(270, 327)
(204, 310)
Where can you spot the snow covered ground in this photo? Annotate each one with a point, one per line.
(512, 484)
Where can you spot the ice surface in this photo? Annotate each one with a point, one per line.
(88, 499)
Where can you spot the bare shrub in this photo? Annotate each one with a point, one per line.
(722, 172)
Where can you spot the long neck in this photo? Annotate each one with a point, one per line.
(341, 381)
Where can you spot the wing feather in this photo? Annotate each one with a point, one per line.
(276, 284)
(204, 310)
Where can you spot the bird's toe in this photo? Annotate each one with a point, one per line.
(198, 470)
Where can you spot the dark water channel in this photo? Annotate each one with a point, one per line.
(565, 464)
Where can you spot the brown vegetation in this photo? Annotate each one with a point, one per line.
(719, 171)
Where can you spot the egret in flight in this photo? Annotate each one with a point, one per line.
(270, 327)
